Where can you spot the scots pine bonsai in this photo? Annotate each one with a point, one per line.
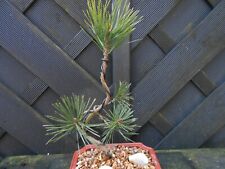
(108, 24)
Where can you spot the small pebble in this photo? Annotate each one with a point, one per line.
(139, 159)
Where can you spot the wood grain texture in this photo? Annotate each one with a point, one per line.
(201, 124)
(24, 41)
(180, 65)
(25, 124)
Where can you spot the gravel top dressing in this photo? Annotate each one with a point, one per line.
(116, 157)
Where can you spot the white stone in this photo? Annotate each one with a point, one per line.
(139, 159)
(105, 167)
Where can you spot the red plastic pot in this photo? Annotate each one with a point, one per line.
(140, 145)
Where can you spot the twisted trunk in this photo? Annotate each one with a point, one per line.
(98, 108)
(105, 86)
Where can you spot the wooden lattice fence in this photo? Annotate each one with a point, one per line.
(175, 61)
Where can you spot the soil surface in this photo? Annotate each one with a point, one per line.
(116, 157)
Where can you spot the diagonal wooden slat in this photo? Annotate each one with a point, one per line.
(36, 87)
(202, 123)
(74, 8)
(81, 40)
(10, 146)
(78, 44)
(22, 5)
(144, 58)
(34, 90)
(121, 63)
(25, 42)
(161, 123)
(214, 2)
(26, 125)
(180, 65)
(167, 38)
(217, 140)
(153, 12)
(178, 23)
(31, 88)
(202, 81)
(148, 135)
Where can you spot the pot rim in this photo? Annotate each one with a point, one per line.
(151, 151)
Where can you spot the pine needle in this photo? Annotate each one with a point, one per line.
(110, 29)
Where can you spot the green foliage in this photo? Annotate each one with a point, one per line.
(69, 117)
(120, 121)
(71, 113)
(122, 94)
(109, 29)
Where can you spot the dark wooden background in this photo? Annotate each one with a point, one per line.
(176, 65)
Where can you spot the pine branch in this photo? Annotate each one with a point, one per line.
(121, 121)
(122, 94)
(69, 117)
(110, 29)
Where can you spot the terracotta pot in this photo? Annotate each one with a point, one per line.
(140, 145)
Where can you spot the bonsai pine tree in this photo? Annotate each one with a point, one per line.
(108, 24)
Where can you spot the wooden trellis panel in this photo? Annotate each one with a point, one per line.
(174, 60)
